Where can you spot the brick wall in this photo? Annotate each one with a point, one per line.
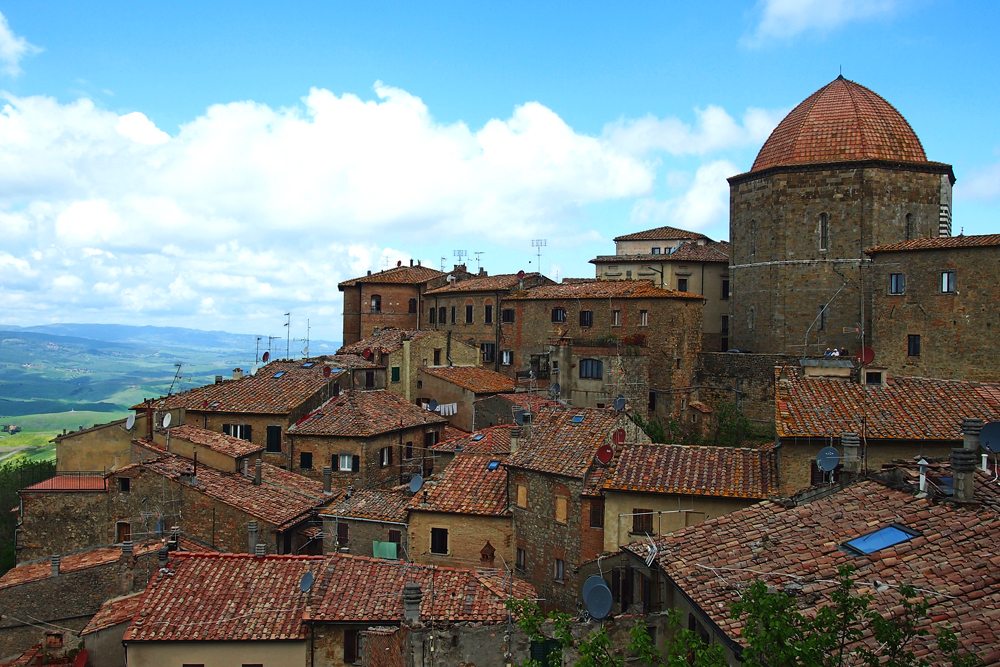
(746, 380)
(467, 535)
(361, 534)
(61, 522)
(958, 331)
(781, 276)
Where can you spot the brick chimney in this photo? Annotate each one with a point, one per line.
(327, 480)
(412, 595)
(56, 561)
(515, 438)
(252, 537)
(971, 427)
(963, 473)
(162, 555)
(851, 444)
(258, 472)
(218, 379)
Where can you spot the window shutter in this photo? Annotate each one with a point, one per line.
(390, 455)
(226, 428)
(248, 432)
(355, 463)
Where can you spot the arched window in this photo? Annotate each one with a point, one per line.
(909, 227)
(592, 369)
(824, 231)
(376, 303)
(753, 238)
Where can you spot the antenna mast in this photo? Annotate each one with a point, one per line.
(288, 335)
(460, 255)
(305, 340)
(177, 376)
(539, 243)
(479, 264)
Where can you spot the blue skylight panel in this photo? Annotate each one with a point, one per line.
(492, 465)
(309, 364)
(279, 374)
(578, 419)
(478, 437)
(880, 539)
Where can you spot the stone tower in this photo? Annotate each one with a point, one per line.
(841, 173)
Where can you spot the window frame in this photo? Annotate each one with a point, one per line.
(394, 374)
(586, 318)
(507, 316)
(591, 369)
(643, 318)
(303, 458)
(824, 232)
(432, 316)
(470, 314)
(642, 521)
(273, 433)
(506, 357)
(413, 306)
(682, 284)
(725, 288)
(350, 462)
(385, 457)
(435, 542)
(597, 510)
(913, 345)
(616, 318)
(489, 351)
(949, 281)
(561, 502)
(558, 570)
(454, 310)
(488, 313)
(519, 491)
(343, 533)
(558, 315)
(897, 283)
(376, 304)
(124, 485)
(521, 559)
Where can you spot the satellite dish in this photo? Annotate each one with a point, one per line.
(130, 422)
(307, 582)
(367, 354)
(604, 454)
(254, 369)
(416, 483)
(618, 437)
(866, 355)
(327, 371)
(827, 459)
(520, 275)
(592, 580)
(266, 357)
(989, 437)
(555, 389)
(399, 263)
(166, 420)
(598, 601)
(432, 406)
(619, 403)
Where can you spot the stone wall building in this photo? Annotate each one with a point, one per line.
(500, 409)
(100, 448)
(676, 259)
(841, 173)
(936, 307)
(460, 387)
(360, 519)
(494, 440)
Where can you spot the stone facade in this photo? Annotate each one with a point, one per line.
(958, 331)
(100, 448)
(798, 235)
(467, 536)
(58, 522)
(361, 533)
(743, 380)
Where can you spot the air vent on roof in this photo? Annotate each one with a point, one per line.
(279, 374)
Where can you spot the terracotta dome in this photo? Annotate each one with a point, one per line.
(840, 122)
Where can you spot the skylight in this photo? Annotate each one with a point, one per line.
(492, 465)
(309, 364)
(279, 374)
(578, 419)
(478, 437)
(881, 539)
(214, 405)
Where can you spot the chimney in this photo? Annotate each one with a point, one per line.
(963, 473)
(418, 262)
(851, 444)
(327, 479)
(412, 596)
(971, 427)
(258, 472)
(369, 271)
(526, 427)
(56, 560)
(261, 550)
(923, 474)
(252, 537)
(218, 379)
(411, 261)
(515, 438)
(174, 539)
(162, 555)
(237, 373)
(127, 548)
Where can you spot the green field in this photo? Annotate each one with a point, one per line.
(30, 445)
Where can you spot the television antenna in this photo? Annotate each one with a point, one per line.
(288, 335)
(269, 339)
(539, 244)
(460, 255)
(177, 376)
(479, 264)
(305, 340)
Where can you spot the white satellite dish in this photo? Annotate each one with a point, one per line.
(166, 420)
(254, 369)
(130, 422)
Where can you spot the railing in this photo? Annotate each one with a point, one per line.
(69, 480)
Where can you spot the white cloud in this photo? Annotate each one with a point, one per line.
(982, 184)
(784, 19)
(138, 128)
(12, 49)
(706, 201)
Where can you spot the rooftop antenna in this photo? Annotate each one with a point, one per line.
(460, 255)
(305, 340)
(288, 335)
(269, 353)
(479, 264)
(256, 355)
(177, 376)
(539, 244)
(443, 260)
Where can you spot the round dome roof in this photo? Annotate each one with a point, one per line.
(842, 121)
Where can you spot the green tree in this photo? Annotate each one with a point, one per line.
(16, 475)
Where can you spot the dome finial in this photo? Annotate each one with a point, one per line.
(840, 77)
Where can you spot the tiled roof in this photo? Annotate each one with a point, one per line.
(400, 275)
(451, 432)
(661, 234)
(939, 479)
(42, 569)
(603, 289)
(490, 440)
(70, 483)
(940, 243)
(688, 252)
(955, 555)
(487, 284)
(559, 446)
(36, 655)
(113, 612)
(906, 408)
(385, 341)
(364, 414)
(374, 504)
(283, 498)
(358, 589)
(225, 597)
(529, 401)
(474, 378)
(733, 472)
(350, 361)
(218, 442)
(841, 121)
(263, 393)
(466, 486)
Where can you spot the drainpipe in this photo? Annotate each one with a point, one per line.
(497, 317)
(448, 350)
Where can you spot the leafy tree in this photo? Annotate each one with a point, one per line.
(16, 475)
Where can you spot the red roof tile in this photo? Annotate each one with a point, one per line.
(451, 432)
(487, 284)
(364, 414)
(374, 504)
(940, 243)
(474, 378)
(687, 252)
(733, 472)
(661, 234)
(113, 612)
(42, 569)
(466, 486)
(841, 121)
(267, 392)
(905, 409)
(953, 562)
(491, 440)
(400, 275)
(385, 341)
(217, 442)
(603, 289)
(225, 597)
(363, 590)
(528, 401)
(350, 361)
(70, 483)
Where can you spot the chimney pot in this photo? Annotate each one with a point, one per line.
(56, 560)
(252, 536)
(327, 479)
(261, 550)
(162, 554)
(237, 373)
(218, 379)
(963, 472)
(851, 444)
(515, 437)
(369, 271)
(412, 595)
(411, 261)
(127, 548)
(258, 472)
(971, 427)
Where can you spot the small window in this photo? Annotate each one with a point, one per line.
(643, 318)
(124, 485)
(488, 314)
(821, 322)
(489, 351)
(385, 457)
(437, 357)
(558, 314)
(824, 231)
(344, 463)
(522, 557)
(577, 419)
(651, 404)
(492, 465)
(628, 275)
(682, 284)
(724, 329)
(909, 227)
(913, 345)
(897, 283)
(395, 373)
(753, 238)
(559, 571)
(642, 521)
(656, 251)
(468, 315)
(439, 540)
(306, 460)
(408, 451)
(725, 289)
(274, 439)
(413, 305)
(506, 357)
(453, 311)
(873, 378)
(352, 646)
(123, 531)
(508, 315)
(477, 437)
(442, 315)
(376, 303)
(369, 379)
(948, 282)
(433, 315)
(562, 507)
(343, 533)
(592, 369)
(396, 536)
(597, 513)
(522, 496)
(882, 538)
(586, 318)
(616, 318)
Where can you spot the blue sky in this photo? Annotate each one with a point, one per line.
(217, 166)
